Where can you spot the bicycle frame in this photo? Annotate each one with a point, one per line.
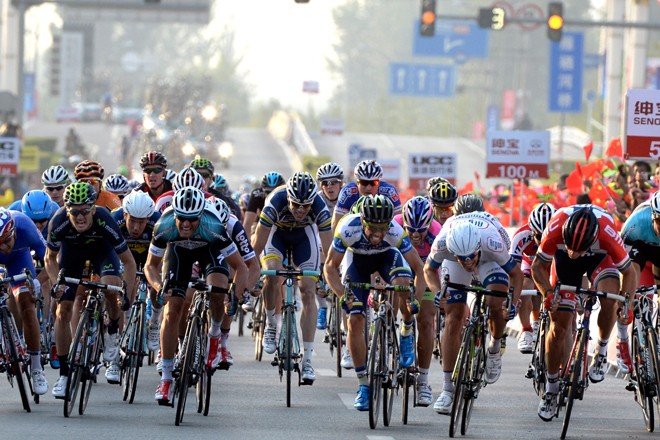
(133, 343)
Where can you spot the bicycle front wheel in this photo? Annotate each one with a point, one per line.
(17, 363)
(654, 375)
(376, 368)
(643, 373)
(537, 364)
(461, 372)
(391, 372)
(335, 322)
(477, 366)
(287, 326)
(76, 364)
(187, 368)
(574, 387)
(258, 327)
(93, 360)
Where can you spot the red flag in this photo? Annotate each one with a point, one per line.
(587, 150)
(477, 177)
(574, 182)
(614, 149)
(468, 188)
(598, 194)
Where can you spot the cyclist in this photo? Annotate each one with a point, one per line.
(77, 233)
(579, 239)
(37, 205)
(136, 219)
(205, 168)
(154, 166)
(470, 247)
(55, 179)
(473, 205)
(417, 219)
(442, 195)
(238, 235)
(366, 243)
(92, 172)
(185, 234)
(330, 177)
(19, 236)
(257, 199)
(186, 177)
(368, 174)
(117, 184)
(287, 221)
(524, 243)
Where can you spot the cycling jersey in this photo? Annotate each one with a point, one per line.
(238, 235)
(140, 245)
(108, 200)
(494, 221)
(349, 194)
(350, 235)
(425, 248)
(27, 239)
(167, 186)
(276, 212)
(523, 248)
(638, 233)
(256, 200)
(329, 203)
(231, 203)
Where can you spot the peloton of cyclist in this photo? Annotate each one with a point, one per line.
(92, 172)
(55, 179)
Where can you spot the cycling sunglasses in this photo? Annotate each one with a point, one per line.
(295, 205)
(369, 182)
(76, 212)
(472, 256)
(418, 230)
(55, 188)
(330, 182)
(153, 170)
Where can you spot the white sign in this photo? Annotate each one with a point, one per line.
(518, 154)
(391, 170)
(642, 139)
(332, 126)
(423, 166)
(310, 86)
(9, 155)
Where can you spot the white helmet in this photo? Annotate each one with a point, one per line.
(221, 207)
(463, 238)
(117, 184)
(188, 177)
(368, 170)
(655, 203)
(55, 175)
(138, 204)
(188, 202)
(540, 216)
(330, 170)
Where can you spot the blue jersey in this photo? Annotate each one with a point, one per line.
(350, 235)
(28, 239)
(349, 194)
(276, 212)
(639, 227)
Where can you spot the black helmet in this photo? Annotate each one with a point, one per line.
(580, 229)
(443, 193)
(468, 203)
(377, 209)
(153, 158)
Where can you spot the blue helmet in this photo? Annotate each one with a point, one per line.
(37, 205)
(272, 179)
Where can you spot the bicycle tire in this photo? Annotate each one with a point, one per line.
(17, 365)
(74, 358)
(437, 339)
(476, 371)
(127, 348)
(575, 373)
(463, 366)
(139, 351)
(538, 360)
(202, 388)
(643, 372)
(376, 366)
(94, 363)
(391, 380)
(207, 398)
(287, 325)
(185, 376)
(258, 328)
(335, 312)
(652, 343)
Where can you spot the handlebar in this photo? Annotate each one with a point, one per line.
(579, 290)
(26, 275)
(202, 286)
(291, 273)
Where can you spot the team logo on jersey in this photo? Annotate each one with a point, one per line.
(189, 244)
(494, 245)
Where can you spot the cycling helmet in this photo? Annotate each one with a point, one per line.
(36, 204)
(368, 170)
(272, 179)
(434, 181)
(221, 208)
(330, 170)
(55, 175)
(468, 203)
(377, 209)
(301, 188)
(138, 204)
(201, 163)
(463, 238)
(188, 202)
(79, 193)
(170, 175)
(133, 184)
(117, 184)
(7, 226)
(87, 169)
(655, 204)
(188, 177)
(357, 206)
(418, 212)
(540, 216)
(443, 193)
(580, 229)
(219, 182)
(244, 200)
(153, 158)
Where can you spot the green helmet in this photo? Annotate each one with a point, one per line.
(355, 209)
(200, 163)
(79, 193)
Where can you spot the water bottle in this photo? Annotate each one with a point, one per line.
(86, 270)
(149, 308)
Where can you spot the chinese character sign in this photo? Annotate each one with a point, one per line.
(565, 88)
(642, 138)
(517, 154)
(9, 155)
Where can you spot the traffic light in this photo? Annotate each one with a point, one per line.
(555, 20)
(427, 19)
(492, 18)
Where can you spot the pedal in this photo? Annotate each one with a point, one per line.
(326, 339)
(307, 382)
(165, 403)
(530, 373)
(631, 386)
(223, 366)
(274, 362)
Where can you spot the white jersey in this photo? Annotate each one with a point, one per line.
(492, 219)
(349, 235)
(493, 246)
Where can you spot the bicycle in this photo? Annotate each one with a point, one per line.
(84, 356)
(334, 336)
(573, 380)
(258, 324)
(133, 342)
(646, 369)
(383, 359)
(537, 368)
(190, 361)
(14, 359)
(408, 380)
(437, 339)
(470, 364)
(288, 357)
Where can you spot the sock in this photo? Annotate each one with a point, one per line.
(528, 329)
(224, 336)
(168, 366)
(552, 385)
(423, 377)
(602, 347)
(64, 365)
(35, 360)
(271, 319)
(495, 345)
(622, 331)
(406, 329)
(155, 316)
(362, 375)
(113, 326)
(447, 384)
(536, 314)
(308, 351)
(215, 330)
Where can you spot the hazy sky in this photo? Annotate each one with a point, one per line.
(284, 44)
